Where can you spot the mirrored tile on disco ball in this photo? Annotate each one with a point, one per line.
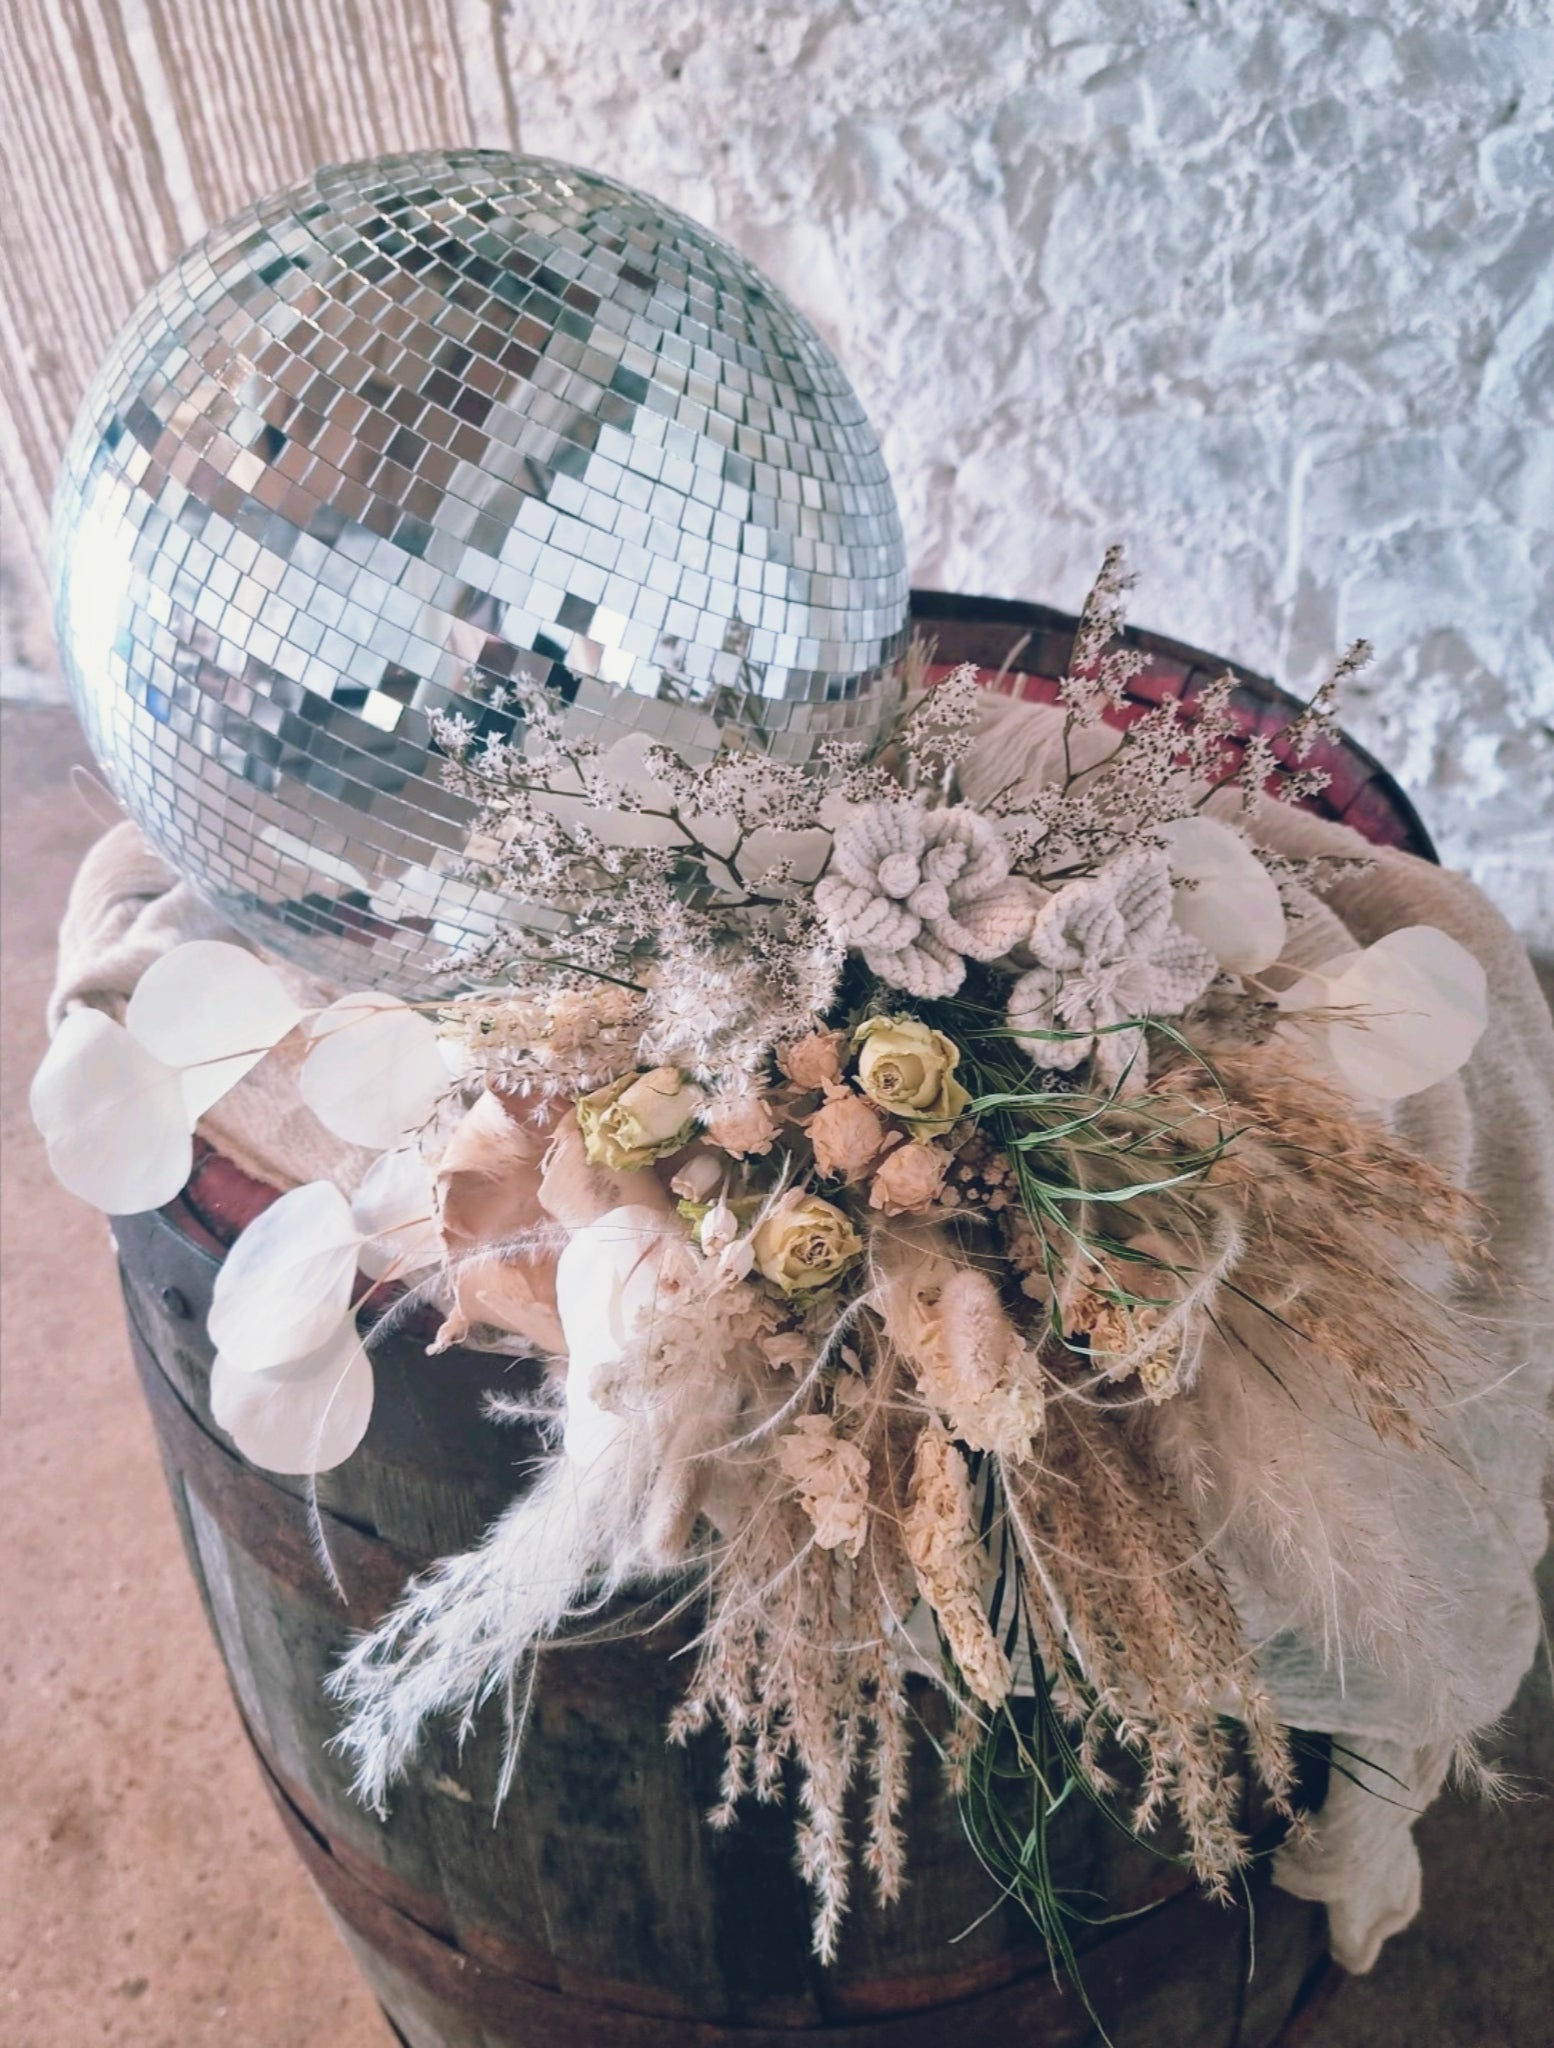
(414, 430)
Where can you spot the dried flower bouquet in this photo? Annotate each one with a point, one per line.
(877, 1170)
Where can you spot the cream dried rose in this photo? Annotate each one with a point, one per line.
(639, 1118)
(815, 1061)
(909, 1069)
(847, 1134)
(908, 1180)
(804, 1244)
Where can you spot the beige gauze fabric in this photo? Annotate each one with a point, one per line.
(1468, 1529)
(1401, 1697)
(126, 908)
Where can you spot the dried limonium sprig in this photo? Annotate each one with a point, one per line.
(1163, 765)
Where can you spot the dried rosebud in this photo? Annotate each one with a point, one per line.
(908, 1180)
(718, 1229)
(815, 1061)
(846, 1133)
(698, 1178)
(742, 1123)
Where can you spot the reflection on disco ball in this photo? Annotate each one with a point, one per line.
(410, 432)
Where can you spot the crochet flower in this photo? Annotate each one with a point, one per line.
(919, 892)
(1108, 953)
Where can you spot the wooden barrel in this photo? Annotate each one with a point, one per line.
(598, 1907)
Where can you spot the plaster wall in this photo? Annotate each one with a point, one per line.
(1264, 290)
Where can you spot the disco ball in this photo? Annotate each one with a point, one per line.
(411, 432)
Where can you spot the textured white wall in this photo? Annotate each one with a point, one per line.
(1266, 291)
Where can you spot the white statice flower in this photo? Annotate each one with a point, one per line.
(831, 1478)
(1109, 952)
(919, 892)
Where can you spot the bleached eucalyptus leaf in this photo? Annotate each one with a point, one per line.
(307, 1418)
(1223, 895)
(607, 1276)
(213, 1010)
(1415, 1006)
(113, 1117)
(374, 1072)
(287, 1281)
(1311, 990)
(395, 1209)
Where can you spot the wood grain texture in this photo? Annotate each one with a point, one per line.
(131, 126)
(600, 1891)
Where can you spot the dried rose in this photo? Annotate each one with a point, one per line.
(815, 1061)
(909, 1069)
(847, 1134)
(804, 1244)
(639, 1118)
(908, 1180)
(742, 1123)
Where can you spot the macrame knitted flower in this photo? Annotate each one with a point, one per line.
(918, 893)
(1108, 953)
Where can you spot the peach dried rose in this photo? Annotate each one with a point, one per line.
(847, 1134)
(908, 1179)
(815, 1061)
(741, 1123)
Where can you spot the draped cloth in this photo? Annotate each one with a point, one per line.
(1473, 1544)
(126, 908)
(1471, 1525)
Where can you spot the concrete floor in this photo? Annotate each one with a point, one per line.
(150, 1899)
